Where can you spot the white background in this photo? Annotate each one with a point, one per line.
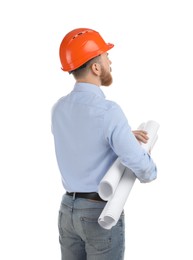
(152, 64)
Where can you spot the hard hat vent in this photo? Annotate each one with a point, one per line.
(78, 34)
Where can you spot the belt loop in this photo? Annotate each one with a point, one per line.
(74, 196)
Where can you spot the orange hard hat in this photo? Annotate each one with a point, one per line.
(79, 46)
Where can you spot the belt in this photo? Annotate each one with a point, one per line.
(89, 195)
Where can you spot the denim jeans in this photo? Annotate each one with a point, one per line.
(80, 235)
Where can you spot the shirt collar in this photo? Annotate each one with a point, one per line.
(87, 87)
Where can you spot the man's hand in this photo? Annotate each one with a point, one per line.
(141, 136)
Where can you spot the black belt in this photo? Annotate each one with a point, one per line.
(90, 195)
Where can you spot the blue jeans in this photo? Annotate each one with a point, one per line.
(80, 235)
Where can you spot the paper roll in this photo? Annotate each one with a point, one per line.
(110, 181)
(114, 206)
(119, 180)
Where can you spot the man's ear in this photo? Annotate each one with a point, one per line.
(96, 69)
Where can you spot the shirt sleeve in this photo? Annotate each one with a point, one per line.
(122, 141)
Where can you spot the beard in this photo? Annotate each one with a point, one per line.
(106, 77)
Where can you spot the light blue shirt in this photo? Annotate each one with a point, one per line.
(90, 133)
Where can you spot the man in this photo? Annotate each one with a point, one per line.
(90, 132)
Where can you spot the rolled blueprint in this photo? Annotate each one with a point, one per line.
(114, 206)
(111, 179)
(152, 128)
(119, 180)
